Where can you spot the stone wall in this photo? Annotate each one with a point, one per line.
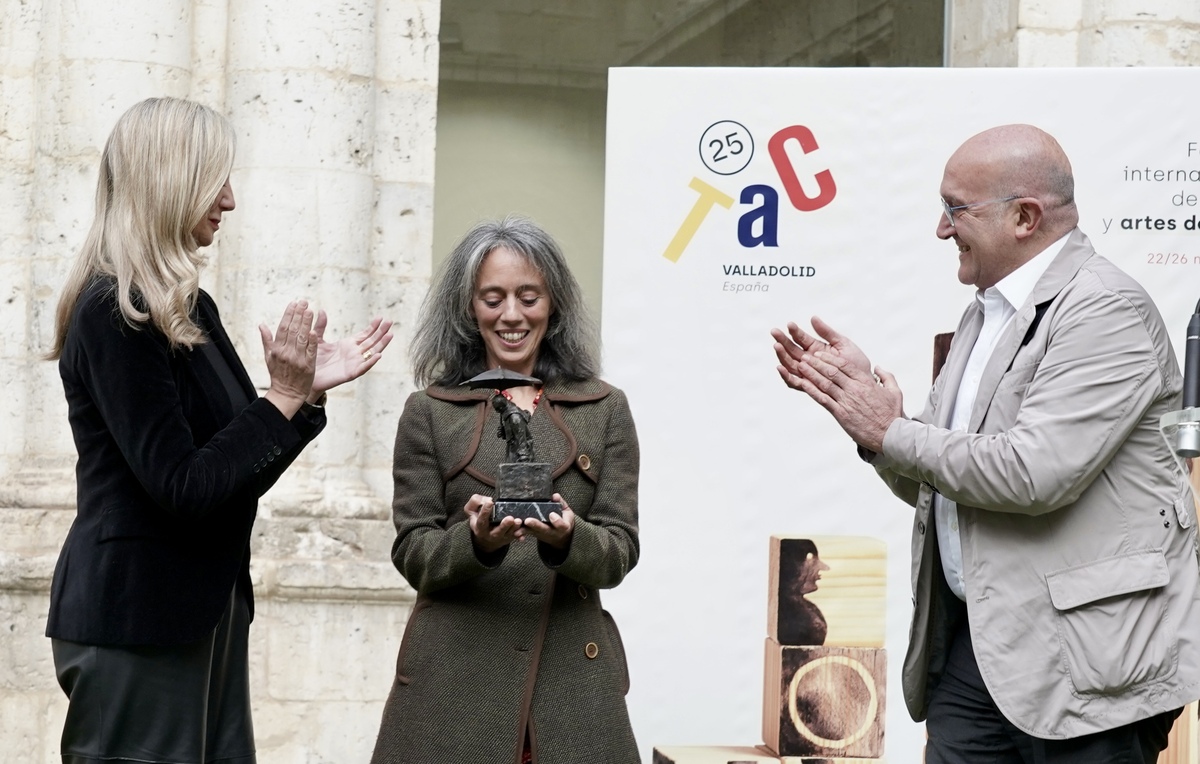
(1074, 33)
(334, 106)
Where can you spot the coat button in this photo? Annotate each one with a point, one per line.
(585, 462)
(582, 592)
(921, 527)
(591, 650)
(277, 450)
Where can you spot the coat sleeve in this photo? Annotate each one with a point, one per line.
(127, 374)
(604, 546)
(1098, 378)
(429, 551)
(904, 487)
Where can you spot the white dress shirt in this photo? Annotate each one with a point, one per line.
(999, 304)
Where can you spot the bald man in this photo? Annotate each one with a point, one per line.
(1055, 581)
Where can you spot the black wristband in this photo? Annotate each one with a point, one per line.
(309, 409)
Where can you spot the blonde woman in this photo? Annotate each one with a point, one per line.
(151, 600)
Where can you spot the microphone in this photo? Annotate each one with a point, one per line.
(1187, 437)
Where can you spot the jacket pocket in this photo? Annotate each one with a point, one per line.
(407, 639)
(1018, 378)
(1185, 509)
(1112, 622)
(120, 522)
(614, 637)
(1005, 405)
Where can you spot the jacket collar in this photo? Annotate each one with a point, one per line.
(1059, 273)
(558, 392)
(1074, 254)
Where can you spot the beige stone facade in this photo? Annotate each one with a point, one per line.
(334, 109)
(334, 105)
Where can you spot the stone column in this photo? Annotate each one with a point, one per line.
(20, 34)
(67, 71)
(301, 95)
(406, 70)
(334, 107)
(70, 72)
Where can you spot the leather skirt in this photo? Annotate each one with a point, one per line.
(179, 704)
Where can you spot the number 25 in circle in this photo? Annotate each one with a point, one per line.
(726, 147)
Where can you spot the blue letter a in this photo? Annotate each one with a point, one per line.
(768, 213)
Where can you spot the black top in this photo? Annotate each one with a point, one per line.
(169, 474)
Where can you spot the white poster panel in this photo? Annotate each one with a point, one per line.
(740, 199)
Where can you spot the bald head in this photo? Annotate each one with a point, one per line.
(1024, 161)
(1012, 194)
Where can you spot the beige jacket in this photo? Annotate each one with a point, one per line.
(1078, 530)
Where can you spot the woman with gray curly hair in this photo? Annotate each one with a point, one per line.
(508, 654)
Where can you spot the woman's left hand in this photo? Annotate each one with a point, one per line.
(350, 357)
(558, 532)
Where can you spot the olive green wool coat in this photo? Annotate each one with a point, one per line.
(518, 640)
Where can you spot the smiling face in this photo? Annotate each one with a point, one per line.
(512, 309)
(983, 233)
(206, 229)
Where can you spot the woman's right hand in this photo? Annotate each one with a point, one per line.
(291, 356)
(490, 538)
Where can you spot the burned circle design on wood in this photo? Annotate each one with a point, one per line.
(829, 662)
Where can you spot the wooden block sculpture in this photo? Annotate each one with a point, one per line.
(826, 669)
(712, 754)
(825, 760)
(824, 701)
(823, 696)
(827, 590)
(724, 754)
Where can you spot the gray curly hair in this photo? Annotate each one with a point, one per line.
(448, 349)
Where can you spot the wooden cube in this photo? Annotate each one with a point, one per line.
(720, 754)
(713, 754)
(824, 701)
(827, 590)
(826, 760)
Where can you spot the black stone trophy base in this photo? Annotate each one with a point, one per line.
(538, 510)
(524, 490)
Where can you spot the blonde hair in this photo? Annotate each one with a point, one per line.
(163, 166)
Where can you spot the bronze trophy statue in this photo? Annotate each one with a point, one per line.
(523, 486)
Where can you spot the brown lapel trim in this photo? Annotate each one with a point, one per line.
(478, 399)
(566, 393)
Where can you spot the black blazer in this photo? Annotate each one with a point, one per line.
(169, 476)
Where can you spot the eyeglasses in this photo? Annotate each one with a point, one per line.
(951, 210)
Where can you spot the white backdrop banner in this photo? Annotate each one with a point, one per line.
(740, 199)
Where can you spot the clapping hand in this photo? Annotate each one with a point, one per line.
(350, 357)
(291, 354)
(838, 376)
(791, 347)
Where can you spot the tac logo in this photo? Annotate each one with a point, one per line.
(726, 148)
